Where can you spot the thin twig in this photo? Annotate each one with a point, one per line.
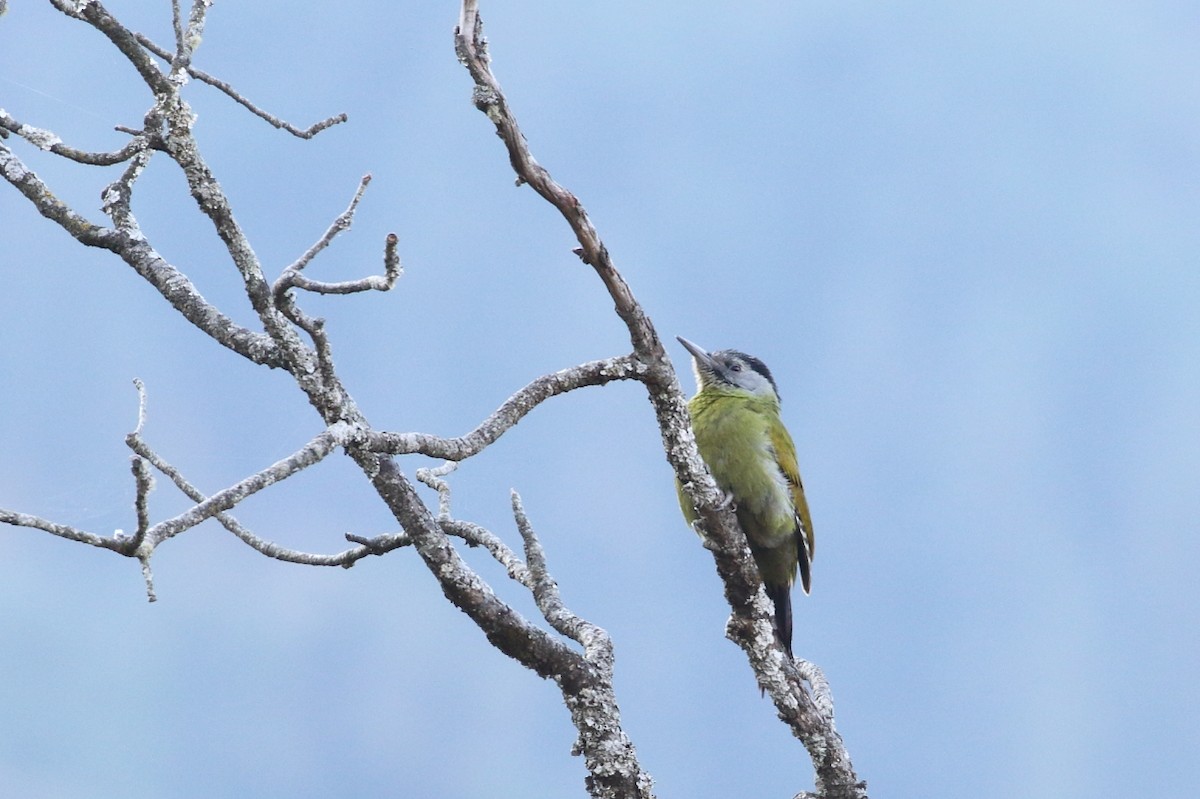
(433, 479)
(311, 453)
(268, 548)
(477, 536)
(114, 543)
(148, 577)
(187, 39)
(144, 484)
(473, 535)
(141, 416)
(118, 196)
(343, 222)
(177, 26)
(596, 641)
(233, 94)
(46, 140)
(291, 277)
(822, 695)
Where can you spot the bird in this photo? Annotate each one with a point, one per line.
(750, 454)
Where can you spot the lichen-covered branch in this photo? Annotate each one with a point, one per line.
(585, 680)
(51, 143)
(311, 453)
(613, 767)
(595, 641)
(471, 48)
(514, 409)
(172, 119)
(17, 519)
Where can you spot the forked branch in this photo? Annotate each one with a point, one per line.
(584, 678)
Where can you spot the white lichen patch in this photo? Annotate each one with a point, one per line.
(14, 170)
(42, 139)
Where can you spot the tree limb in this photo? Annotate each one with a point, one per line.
(471, 48)
(51, 143)
(514, 409)
(312, 452)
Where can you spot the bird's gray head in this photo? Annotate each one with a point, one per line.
(730, 369)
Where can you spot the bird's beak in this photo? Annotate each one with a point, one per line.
(702, 357)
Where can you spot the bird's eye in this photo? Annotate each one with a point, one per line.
(735, 367)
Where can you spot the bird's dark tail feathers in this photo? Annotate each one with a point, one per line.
(781, 596)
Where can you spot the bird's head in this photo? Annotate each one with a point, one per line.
(730, 371)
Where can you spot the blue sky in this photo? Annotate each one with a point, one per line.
(963, 236)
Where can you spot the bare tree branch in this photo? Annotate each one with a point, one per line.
(96, 15)
(292, 277)
(471, 48)
(473, 535)
(233, 94)
(312, 452)
(137, 443)
(504, 627)
(115, 543)
(343, 222)
(48, 205)
(148, 537)
(144, 484)
(514, 409)
(585, 680)
(186, 39)
(612, 764)
(595, 641)
(48, 141)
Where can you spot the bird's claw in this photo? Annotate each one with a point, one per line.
(726, 500)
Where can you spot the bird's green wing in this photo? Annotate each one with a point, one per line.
(785, 456)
